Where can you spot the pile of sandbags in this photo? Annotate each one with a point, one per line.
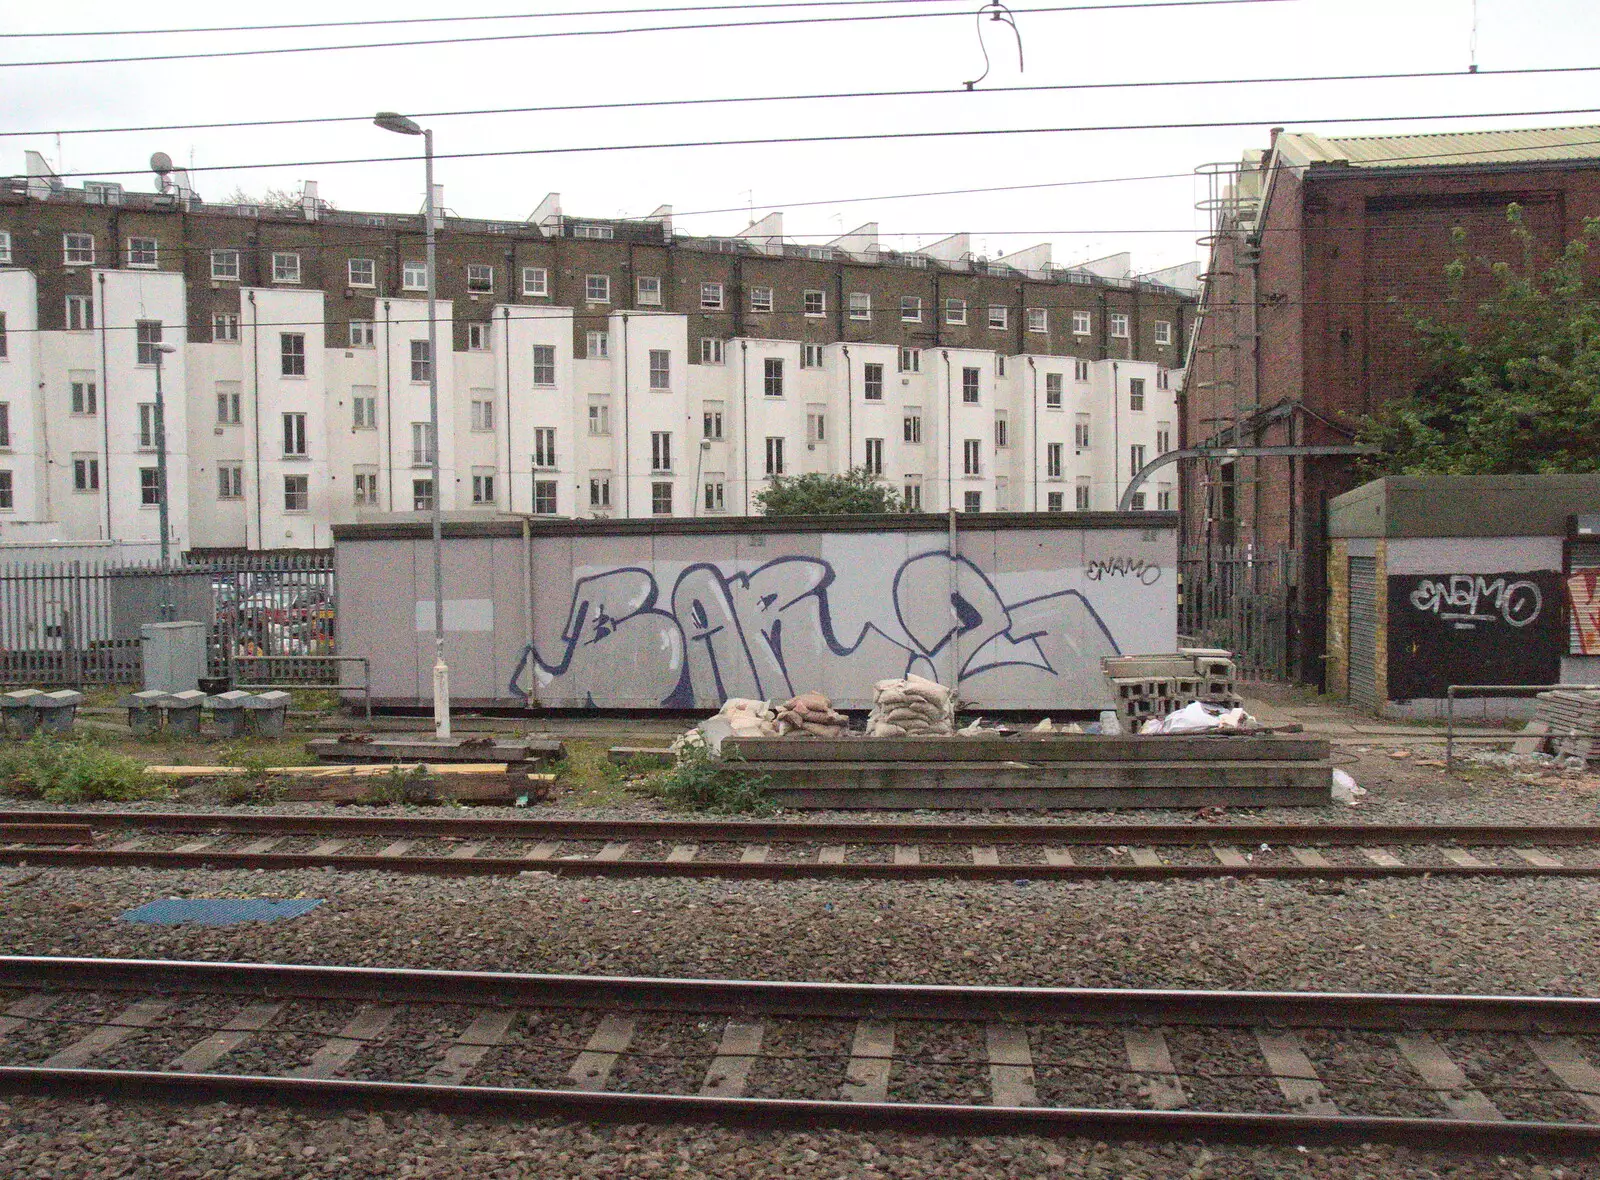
(812, 713)
(912, 707)
(747, 718)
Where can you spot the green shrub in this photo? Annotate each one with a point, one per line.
(700, 782)
(74, 772)
(399, 785)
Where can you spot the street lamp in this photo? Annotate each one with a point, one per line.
(162, 350)
(400, 125)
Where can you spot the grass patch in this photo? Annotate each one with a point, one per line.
(700, 782)
(401, 787)
(74, 772)
(593, 779)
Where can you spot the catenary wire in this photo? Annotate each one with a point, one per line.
(211, 55)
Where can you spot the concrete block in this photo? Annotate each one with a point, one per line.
(145, 711)
(265, 714)
(1206, 653)
(1146, 667)
(17, 708)
(183, 711)
(229, 711)
(57, 710)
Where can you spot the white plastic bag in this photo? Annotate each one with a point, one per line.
(1345, 789)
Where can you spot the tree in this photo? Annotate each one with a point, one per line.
(272, 198)
(1511, 385)
(856, 493)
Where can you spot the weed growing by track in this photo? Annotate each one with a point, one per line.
(74, 772)
(700, 782)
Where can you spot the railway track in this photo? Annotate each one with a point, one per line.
(762, 850)
(1434, 1071)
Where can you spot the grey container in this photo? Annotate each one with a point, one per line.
(174, 656)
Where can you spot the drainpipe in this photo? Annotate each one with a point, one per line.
(1116, 435)
(744, 417)
(849, 412)
(949, 441)
(388, 403)
(505, 316)
(627, 437)
(255, 415)
(953, 586)
(105, 409)
(1033, 461)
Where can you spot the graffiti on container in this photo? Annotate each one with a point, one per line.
(1147, 572)
(1469, 599)
(1583, 588)
(772, 632)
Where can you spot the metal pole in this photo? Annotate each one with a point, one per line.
(161, 460)
(441, 671)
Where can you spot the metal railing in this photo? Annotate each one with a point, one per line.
(336, 685)
(1482, 690)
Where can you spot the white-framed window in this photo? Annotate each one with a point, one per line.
(761, 299)
(711, 424)
(225, 265)
(661, 450)
(999, 317)
(972, 456)
(544, 447)
(597, 288)
(811, 356)
(910, 360)
(286, 268)
(5, 426)
(1082, 323)
(649, 295)
(872, 382)
(815, 303)
(819, 253)
(597, 344)
(955, 311)
(599, 491)
(361, 334)
(366, 487)
(711, 350)
(1054, 502)
(422, 444)
(970, 385)
(1163, 331)
(1119, 325)
(999, 366)
(774, 455)
(1135, 457)
(716, 496)
(297, 493)
(229, 400)
(421, 361)
(1163, 378)
(816, 424)
(599, 419)
(480, 281)
(230, 481)
(911, 427)
(600, 233)
(772, 376)
(5, 247)
(1136, 503)
(149, 486)
(143, 253)
(77, 249)
(1052, 391)
(364, 408)
(147, 339)
(1080, 433)
(225, 328)
(294, 435)
(661, 498)
(1038, 319)
(972, 501)
(544, 364)
(660, 368)
(85, 473)
(536, 281)
(711, 296)
(80, 313)
(911, 309)
(860, 305)
(482, 409)
(1080, 370)
(85, 392)
(1136, 394)
(911, 493)
(483, 485)
(1080, 497)
(1164, 499)
(292, 354)
(1163, 437)
(1053, 460)
(422, 495)
(361, 272)
(1002, 433)
(873, 460)
(414, 276)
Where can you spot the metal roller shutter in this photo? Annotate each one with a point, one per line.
(1364, 632)
(1582, 557)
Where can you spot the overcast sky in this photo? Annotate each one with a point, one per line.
(1154, 219)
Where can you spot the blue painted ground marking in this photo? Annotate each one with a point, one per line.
(175, 911)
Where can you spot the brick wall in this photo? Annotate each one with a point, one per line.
(1380, 568)
(1338, 642)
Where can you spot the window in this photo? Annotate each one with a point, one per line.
(661, 499)
(911, 493)
(230, 481)
(482, 410)
(872, 382)
(297, 493)
(480, 281)
(85, 392)
(1054, 502)
(1137, 502)
(1163, 331)
(969, 386)
(147, 426)
(292, 353)
(811, 356)
(955, 311)
(228, 403)
(597, 288)
(80, 313)
(149, 486)
(5, 247)
(544, 364)
(225, 328)
(421, 361)
(142, 253)
(77, 249)
(596, 232)
(544, 497)
(1135, 457)
(478, 337)
(1163, 438)
(85, 474)
(294, 435)
(225, 265)
(774, 456)
(972, 502)
(5, 425)
(1119, 325)
(999, 366)
(8, 498)
(874, 460)
(661, 450)
(599, 491)
(912, 428)
(147, 335)
(911, 360)
(363, 410)
(361, 334)
(1052, 391)
(711, 351)
(1080, 370)
(660, 369)
(544, 447)
(816, 424)
(910, 309)
(819, 253)
(1038, 319)
(716, 496)
(772, 377)
(1164, 501)
(1081, 323)
(972, 456)
(286, 268)
(597, 345)
(1081, 496)
(815, 303)
(999, 317)
(599, 419)
(1163, 379)
(711, 296)
(414, 277)
(361, 272)
(1052, 460)
(1136, 393)
(649, 288)
(422, 495)
(711, 425)
(1002, 435)
(535, 281)
(761, 299)
(482, 486)
(860, 305)
(1080, 433)
(366, 488)
(422, 444)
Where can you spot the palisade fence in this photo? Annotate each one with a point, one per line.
(78, 623)
(1239, 599)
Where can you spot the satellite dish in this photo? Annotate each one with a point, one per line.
(161, 163)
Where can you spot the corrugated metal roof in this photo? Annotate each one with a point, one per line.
(1442, 149)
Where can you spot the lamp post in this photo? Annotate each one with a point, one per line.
(162, 351)
(400, 125)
